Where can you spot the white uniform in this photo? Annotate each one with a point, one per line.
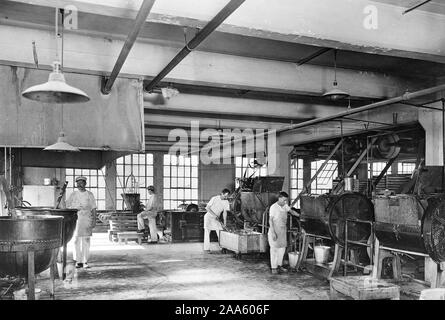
(150, 213)
(278, 215)
(217, 205)
(85, 203)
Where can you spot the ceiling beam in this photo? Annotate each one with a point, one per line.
(310, 22)
(200, 68)
(222, 115)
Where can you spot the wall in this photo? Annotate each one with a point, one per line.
(215, 177)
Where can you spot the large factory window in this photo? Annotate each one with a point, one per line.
(376, 168)
(95, 183)
(134, 174)
(323, 183)
(244, 168)
(406, 167)
(180, 180)
(296, 179)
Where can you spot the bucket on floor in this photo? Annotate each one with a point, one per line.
(432, 294)
(321, 254)
(293, 258)
(22, 294)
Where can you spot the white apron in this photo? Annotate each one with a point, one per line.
(279, 217)
(85, 203)
(217, 205)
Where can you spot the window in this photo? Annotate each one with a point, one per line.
(406, 167)
(323, 183)
(376, 168)
(141, 167)
(296, 180)
(95, 183)
(242, 164)
(180, 180)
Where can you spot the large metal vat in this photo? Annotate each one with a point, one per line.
(69, 218)
(326, 215)
(412, 223)
(41, 234)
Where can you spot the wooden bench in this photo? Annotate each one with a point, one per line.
(363, 288)
(132, 235)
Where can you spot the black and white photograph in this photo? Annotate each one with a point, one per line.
(221, 156)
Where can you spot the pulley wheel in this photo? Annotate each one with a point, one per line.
(433, 229)
(350, 205)
(387, 146)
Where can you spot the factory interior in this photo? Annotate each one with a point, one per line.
(222, 150)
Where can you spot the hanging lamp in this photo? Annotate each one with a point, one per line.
(56, 90)
(335, 93)
(61, 145)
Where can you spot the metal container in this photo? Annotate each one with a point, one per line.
(69, 218)
(411, 223)
(41, 234)
(325, 215)
(243, 242)
(349, 184)
(314, 216)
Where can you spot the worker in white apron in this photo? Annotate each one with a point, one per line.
(150, 213)
(84, 202)
(217, 205)
(277, 234)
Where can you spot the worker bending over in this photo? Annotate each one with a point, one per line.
(217, 205)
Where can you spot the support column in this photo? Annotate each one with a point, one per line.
(158, 175)
(307, 172)
(110, 183)
(281, 164)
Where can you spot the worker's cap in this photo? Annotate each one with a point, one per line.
(81, 178)
(151, 188)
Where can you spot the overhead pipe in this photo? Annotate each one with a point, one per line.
(416, 6)
(107, 82)
(404, 97)
(200, 37)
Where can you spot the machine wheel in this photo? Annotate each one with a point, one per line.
(433, 230)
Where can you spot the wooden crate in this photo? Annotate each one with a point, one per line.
(122, 222)
(363, 288)
(243, 243)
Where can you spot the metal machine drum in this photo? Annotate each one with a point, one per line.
(353, 206)
(41, 234)
(433, 228)
(398, 221)
(254, 204)
(314, 217)
(69, 218)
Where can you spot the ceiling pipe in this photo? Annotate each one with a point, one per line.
(107, 82)
(416, 6)
(200, 37)
(405, 97)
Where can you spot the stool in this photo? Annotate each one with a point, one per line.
(130, 235)
(363, 288)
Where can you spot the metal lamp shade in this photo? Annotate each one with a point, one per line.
(55, 90)
(61, 145)
(335, 94)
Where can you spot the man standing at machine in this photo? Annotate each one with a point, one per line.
(217, 205)
(84, 202)
(150, 213)
(278, 231)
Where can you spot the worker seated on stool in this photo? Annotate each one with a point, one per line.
(150, 213)
(277, 232)
(217, 205)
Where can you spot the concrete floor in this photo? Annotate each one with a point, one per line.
(178, 271)
(169, 271)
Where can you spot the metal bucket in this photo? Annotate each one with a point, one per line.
(41, 234)
(293, 258)
(432, 294)
(321, 254)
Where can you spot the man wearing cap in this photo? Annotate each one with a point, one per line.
(84, 202)
(150, 213)
(217, 205)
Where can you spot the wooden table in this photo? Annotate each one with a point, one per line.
(364, 288)
(130, 235)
